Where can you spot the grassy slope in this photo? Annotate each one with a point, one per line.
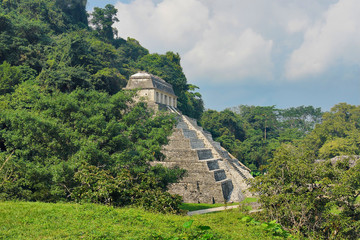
(24, 220)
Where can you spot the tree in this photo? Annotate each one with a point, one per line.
(301, 118)
(310, 199)
(9, 77)
(75, 9)
(108, 79)
(317, 198)
(338, 133)
(191, 103)
(80, 60)
(103, 19)
(263, 118)
(213, 121)
(132, 49)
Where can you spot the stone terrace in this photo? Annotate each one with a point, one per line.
(213, 175)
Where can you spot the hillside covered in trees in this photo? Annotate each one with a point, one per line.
(67, 130)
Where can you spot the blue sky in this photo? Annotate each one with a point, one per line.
(286, 53)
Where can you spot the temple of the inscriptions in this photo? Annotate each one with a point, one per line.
(213, 174)
(152, 89)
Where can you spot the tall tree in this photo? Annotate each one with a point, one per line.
(75, 9)
(103, 19)
(339, 133)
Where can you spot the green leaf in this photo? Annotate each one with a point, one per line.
(188, 224)
(264, 225)
(246, 219)
(204, 228)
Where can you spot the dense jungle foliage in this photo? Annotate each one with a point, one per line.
(310, 161)
(252, 133)
(309, 191)
(67, 130)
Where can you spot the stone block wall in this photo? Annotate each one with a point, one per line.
(209, 178)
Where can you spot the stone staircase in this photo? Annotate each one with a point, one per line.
(213, 175)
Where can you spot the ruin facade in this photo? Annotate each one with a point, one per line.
(152, 89)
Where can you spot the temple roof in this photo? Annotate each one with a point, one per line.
(144, 80)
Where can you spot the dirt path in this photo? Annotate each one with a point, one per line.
(209, 210)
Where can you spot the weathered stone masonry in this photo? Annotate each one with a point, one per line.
(153, 89)
(213, 175)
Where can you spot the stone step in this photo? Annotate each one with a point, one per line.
(176, 155)
(238, 170)
(177, 134)
(208, 135)
(200, 128)
(204, 177)
(196, 143)
(197, 192)
(194, 167)
(204, 153)
(212, 164)
(182, 125)
(227, 187)
(219, 174)
(217, 144)
(189, 133)
(174, 110)
(180, 144)
(192, 121)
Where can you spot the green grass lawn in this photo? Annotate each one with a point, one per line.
(25, 220)
(250, 200)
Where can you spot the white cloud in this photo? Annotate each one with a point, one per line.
(169, 25)
(212, 38)
(332, 39)
(230, 57)
(297, 25)
(242, 40)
